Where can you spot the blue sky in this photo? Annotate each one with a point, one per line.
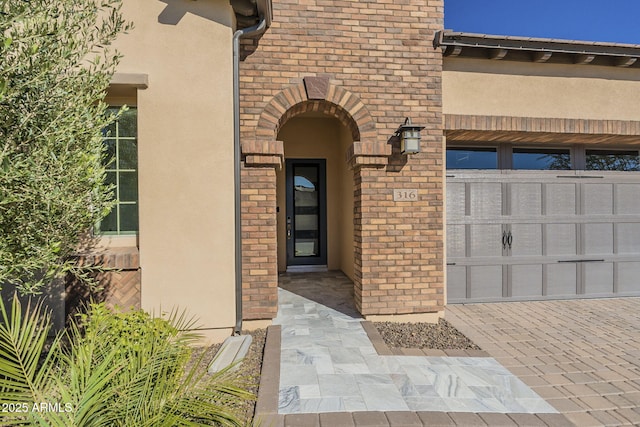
(594, 20)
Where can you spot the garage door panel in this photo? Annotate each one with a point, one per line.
(560, 199)
(526, 280)
(627, 199)
(526, 239)
(572, 237)
(597, 199)
(526, 199)
(456, 282)
(628, 238)
(561, 239)
(561, 279)
(598, 239)
(628, 277)
(455, 200)
(456, 240)
(486, 240)
(485, 199)
(486, 281)
(598, 278)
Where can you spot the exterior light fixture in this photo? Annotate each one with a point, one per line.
(409, 137)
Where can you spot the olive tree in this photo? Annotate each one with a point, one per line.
(55, 66)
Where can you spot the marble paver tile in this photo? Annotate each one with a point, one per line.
(289, 401)
(300, 375)
(338, 385)
(427, 404)
(404, 384)
(323, 404)
(354, 403)
(328, 364)
(345, 355)
(309, 391)
(373, 379)
(475, 405)
(383, 397)
(351, 368)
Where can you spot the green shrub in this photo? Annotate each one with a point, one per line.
(111, 369)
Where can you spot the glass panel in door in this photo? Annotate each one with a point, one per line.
(306, 211)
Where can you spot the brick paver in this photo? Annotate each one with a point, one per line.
(582, 356)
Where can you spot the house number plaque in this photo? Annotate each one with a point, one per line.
(405, 195)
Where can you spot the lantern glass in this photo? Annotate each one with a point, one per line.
(410, 141)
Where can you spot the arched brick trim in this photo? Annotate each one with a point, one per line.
(339, 103)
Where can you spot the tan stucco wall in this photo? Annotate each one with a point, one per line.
(528, 89)
(321, 138)
(185, 131)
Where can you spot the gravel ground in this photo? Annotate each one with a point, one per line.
(249, 371)
(436, 336)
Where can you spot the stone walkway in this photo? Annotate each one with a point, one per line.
(582, 356)
(328, 364)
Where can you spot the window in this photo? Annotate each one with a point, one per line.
(612, 160)
(472, 158)
(122, 172)
(541, 159)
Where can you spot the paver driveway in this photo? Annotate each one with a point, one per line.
(582, 356)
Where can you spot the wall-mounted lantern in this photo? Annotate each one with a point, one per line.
(409, 137)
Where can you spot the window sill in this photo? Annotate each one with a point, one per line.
(122, 258)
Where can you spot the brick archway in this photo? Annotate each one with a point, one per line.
(263, 154)
(316, 94)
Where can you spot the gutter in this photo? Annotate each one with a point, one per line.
(261, 26)
(451, 39)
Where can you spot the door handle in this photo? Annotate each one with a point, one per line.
(288, 228)
(504, 240)
(509, 239)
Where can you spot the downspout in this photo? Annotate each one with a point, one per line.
(236, 163)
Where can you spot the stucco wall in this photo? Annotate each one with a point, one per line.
(321, 138)
(185, 131)
(528, 89)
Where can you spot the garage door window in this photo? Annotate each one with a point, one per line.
(541, 159)
(612, 160)
(472, 158)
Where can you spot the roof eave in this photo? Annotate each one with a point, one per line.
(498, 47)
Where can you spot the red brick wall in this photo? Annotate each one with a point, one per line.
(118, 284)
(380, 54)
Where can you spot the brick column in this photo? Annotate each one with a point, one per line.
(259, 228)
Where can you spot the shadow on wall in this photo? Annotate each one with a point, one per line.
(177, 9)
(397, 160)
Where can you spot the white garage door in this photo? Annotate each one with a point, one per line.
(515, 235)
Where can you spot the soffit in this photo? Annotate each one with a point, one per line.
(540, 130)
(531, 49)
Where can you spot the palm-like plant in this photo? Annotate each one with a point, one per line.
(113, 369)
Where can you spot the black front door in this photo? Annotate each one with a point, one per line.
(306, 212)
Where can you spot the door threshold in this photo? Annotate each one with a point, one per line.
(307, 268)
